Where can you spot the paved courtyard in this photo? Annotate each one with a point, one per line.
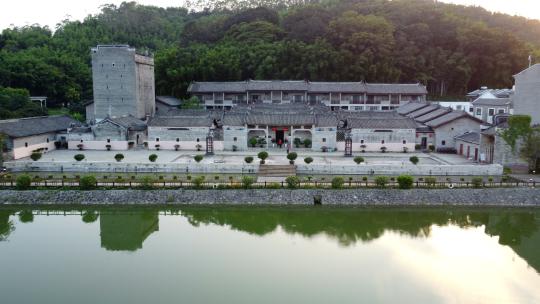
(277, 157)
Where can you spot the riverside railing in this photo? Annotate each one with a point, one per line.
(166, 184)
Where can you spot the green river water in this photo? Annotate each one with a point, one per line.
(269, 255)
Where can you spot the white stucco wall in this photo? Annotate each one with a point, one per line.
(99, 145)
(24, 146)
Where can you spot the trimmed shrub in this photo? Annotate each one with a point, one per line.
(431, 181)
(381, 181)
(119, 157)
(79, 157)
(337, 182)
(405, 181)
(253, 142)
(477, 182)
(248, 159)
(364, 178)
(23, 182)
(308, 160)
(292, 157)
(26, 216)
(414, 160)
(263, 155)
(35, 156)
(147, 183)
(247, 181)
(88, 182)
(307, 143)
(273, 186)
(507, 170)
(293, 182)
(358, 160)
(198, 158)
(198, 181)
(152, 158)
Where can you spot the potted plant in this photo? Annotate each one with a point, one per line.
(307, 143)
(308, 160)
(176, 147)
(358, 160)
(324, 148)
(234, 148)
(363, 147)
(157, 146)
(152, 158)
(79, 157)
(248, 159)
(262, 156)
(108, 146)
(80, 146)
(198, 158)
(405, 149)
(199, 147)
(297, 142)
(291, 157)
(383, 149)
(253, 142)
(119, 157)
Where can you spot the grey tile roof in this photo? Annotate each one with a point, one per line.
(423, 111)
(388, 88)
(281, 119)
(344, 87)
(24, 127)
(470, 137)
(234, 119)
(497, 102)
(306, 86)
(500, 93)
(128, 122)
(375, 123)
(169, 100)
(451, 116)
(432, 115)
(411, 107)
(180, 122)
(326, 120)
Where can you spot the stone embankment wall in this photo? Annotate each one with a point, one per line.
(420, 170)
(509, 197)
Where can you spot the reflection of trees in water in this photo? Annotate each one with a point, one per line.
(90, 216)
(6, 226)
(127, 230)
(346, 225)
(26, 216)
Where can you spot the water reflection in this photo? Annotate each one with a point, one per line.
(126, 229)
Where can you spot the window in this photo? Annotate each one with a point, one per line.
(108, 140)
(178, 139)
(198, 140)
(404, 142)
(501, 111)
(491, 112)
(235, 139)
(47, 140)
(26, 144)
(113, 64)
(471, 109)
(157, 138)
(324, 140)
(443, 142)
(382, 141)
(361, 141)
(81, 140)
(478, 111)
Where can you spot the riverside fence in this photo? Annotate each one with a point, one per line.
(122, 184)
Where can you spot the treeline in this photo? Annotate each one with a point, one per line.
(449, 48)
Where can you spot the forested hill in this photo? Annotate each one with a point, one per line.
(451, 49)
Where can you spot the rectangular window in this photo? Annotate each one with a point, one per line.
(157, 138)
(502, 111)
(108, 140)
(324, 140)
(491, 112)
(478, 111)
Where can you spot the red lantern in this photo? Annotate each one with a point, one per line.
(274, 129)
(285, 129)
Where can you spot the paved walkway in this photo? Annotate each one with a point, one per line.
(526, 177)
(228, 157)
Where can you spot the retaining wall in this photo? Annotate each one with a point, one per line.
(503, 197)
(121, 167)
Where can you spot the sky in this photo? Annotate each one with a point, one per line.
(51, 12)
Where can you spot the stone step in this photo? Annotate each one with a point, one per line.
(277, 170)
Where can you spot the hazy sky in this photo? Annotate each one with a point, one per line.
(50, 12)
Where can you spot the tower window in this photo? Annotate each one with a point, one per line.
(108, 140)
(113, 64)
(157, 138)
(404, 142)
(198, 140)
(178, 139)
(26, 144)
(443, 143)
(382, 141)
(361, 141)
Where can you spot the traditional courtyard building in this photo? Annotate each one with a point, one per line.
(25, 135)
(487, 106)
(437, 126)
(354, 96)
(111, 133)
